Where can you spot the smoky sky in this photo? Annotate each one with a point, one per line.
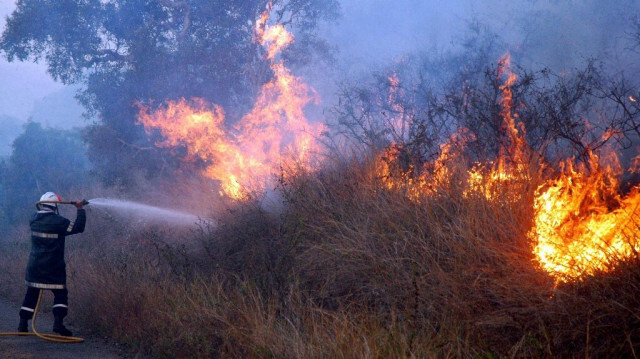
(558, 34)
(23, 83)
(27, 92)
(372, 33)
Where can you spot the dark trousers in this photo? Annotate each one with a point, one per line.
(60, 302)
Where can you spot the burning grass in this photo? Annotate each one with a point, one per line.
(350, 268)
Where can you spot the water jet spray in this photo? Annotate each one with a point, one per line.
(145, 211)
(136, 209)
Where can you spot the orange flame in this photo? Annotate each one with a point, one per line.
(274, 38)
(416, 183)
(244, 157)
(581, 222)
(397, 118)
(511, 166)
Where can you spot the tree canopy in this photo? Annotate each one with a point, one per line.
(128, 51)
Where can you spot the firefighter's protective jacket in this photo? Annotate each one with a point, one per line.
(46, 268)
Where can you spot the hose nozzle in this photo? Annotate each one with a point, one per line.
(84, 202)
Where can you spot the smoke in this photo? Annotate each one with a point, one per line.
(557, 34)
(11, 127)
(377, 38)
(373, 34)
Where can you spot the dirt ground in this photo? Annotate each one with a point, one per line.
(21, 347)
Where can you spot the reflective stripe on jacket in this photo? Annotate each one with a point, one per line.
(46, 268)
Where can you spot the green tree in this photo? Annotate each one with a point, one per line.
(125, 51)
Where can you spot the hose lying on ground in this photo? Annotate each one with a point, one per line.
(50, 337)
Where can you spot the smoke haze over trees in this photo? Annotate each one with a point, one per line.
(206, 49)
(175, 49)
(42, 159)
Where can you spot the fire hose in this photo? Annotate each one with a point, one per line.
(84, 202)
(50, 337)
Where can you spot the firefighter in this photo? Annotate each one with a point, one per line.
(46, 267)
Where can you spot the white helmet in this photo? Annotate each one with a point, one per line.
(50, 196)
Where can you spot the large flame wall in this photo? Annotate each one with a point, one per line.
(581, 223)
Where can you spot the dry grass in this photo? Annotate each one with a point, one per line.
(347, 270)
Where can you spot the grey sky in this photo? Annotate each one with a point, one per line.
(23, 83)
(375, 31)
(555, 33)
(28, 92)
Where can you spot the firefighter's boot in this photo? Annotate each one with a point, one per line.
(23, 327)
(59, 328)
